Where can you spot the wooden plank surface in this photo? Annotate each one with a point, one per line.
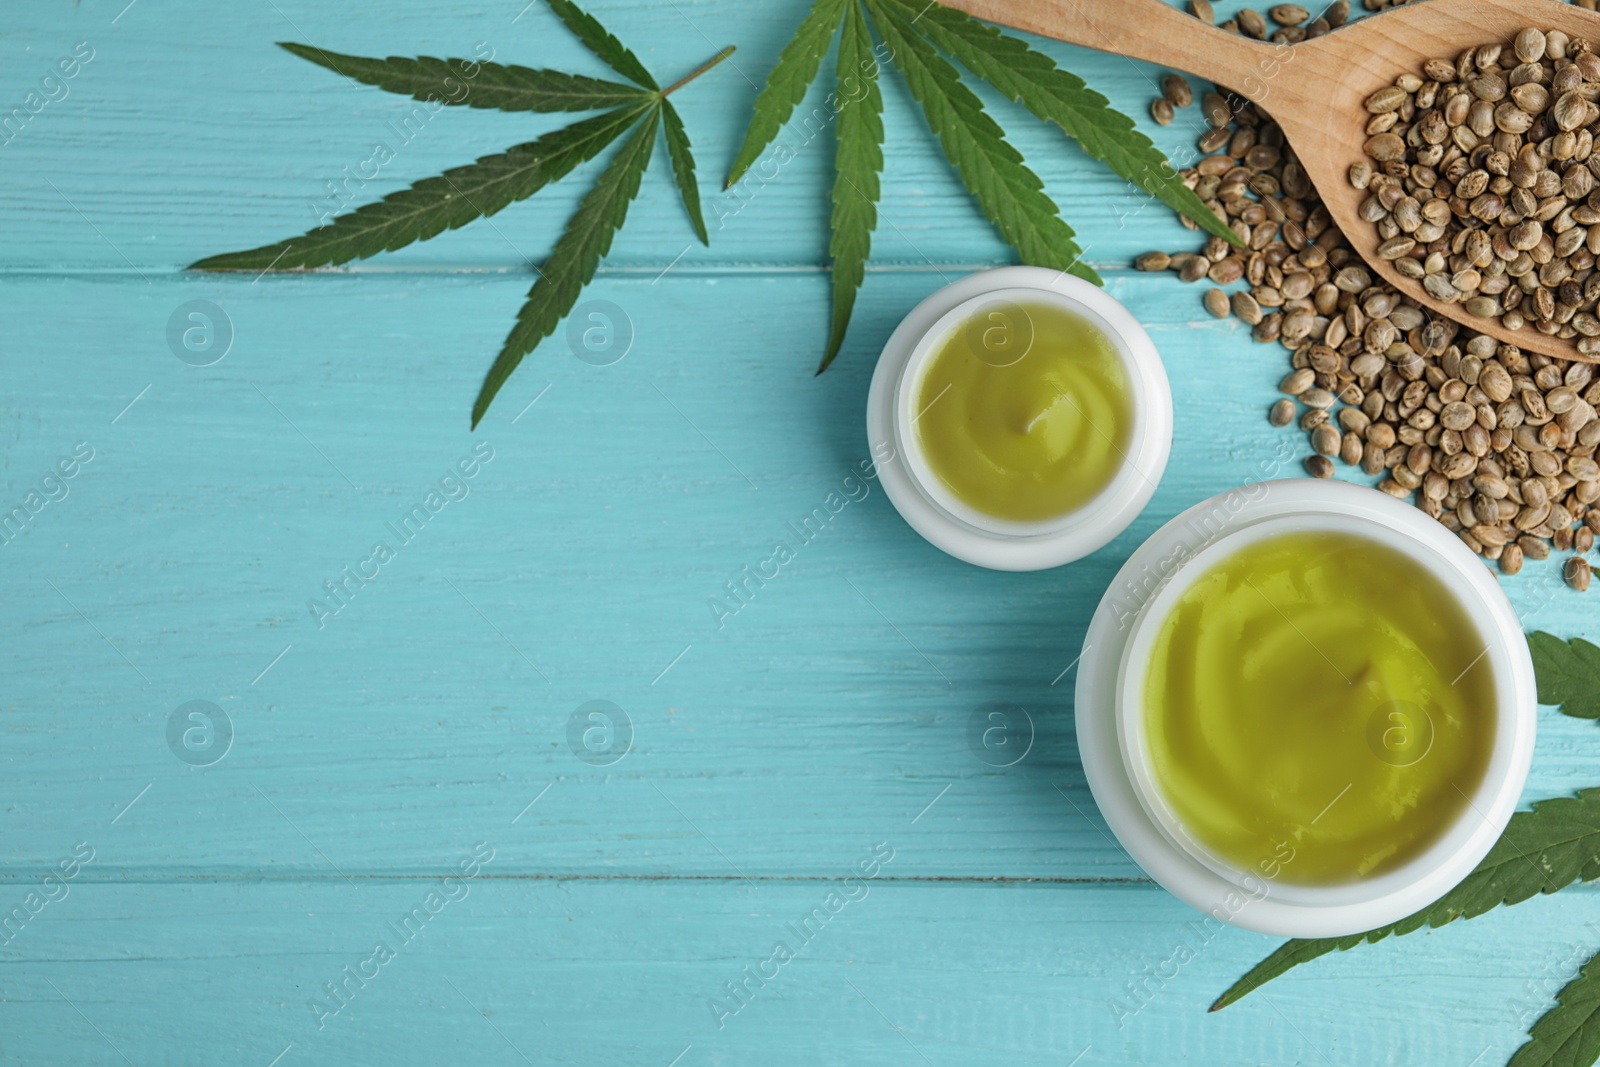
(232, 142)
(374, 746)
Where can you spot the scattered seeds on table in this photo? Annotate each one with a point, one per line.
(1325, 440)
(1298, 381)
(1175, 89)
(1497, 444)
(1247, 307)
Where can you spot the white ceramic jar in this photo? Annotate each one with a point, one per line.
(929, 506)
(1116, 654)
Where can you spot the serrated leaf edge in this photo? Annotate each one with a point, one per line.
(625, 173)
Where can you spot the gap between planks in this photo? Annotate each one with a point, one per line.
(290, 878)
(643, 270)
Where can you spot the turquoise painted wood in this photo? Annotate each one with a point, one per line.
(424, 719)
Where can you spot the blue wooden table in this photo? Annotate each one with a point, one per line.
(397, 827)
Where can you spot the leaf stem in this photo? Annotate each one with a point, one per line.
(696, 72)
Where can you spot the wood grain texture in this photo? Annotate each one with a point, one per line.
(431, 713)
(213, 157)
(583, 972)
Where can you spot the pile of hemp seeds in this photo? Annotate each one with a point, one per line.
(1496, 444)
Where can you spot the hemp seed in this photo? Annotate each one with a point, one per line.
(1497, 444)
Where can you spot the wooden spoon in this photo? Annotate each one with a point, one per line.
(1315, 90)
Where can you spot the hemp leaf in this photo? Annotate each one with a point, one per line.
(918, 37)
(858, 161)
(797, 67)
(1010, 194)
(503, 87)
(1568, 672)
(611, 51)
(1033, 80)
(587, 238)
(449, 201)
(1568, 1034)
(1541, 851)
(683, 168)
(482, 188)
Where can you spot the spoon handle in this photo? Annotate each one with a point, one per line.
(1151, 30)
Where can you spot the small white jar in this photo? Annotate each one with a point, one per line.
(924, 500)
(1116, 654)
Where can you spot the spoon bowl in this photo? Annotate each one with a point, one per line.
(1315, 90)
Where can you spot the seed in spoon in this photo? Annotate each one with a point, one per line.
(1478, 180)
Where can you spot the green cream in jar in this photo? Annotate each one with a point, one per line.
(1317, 708)
(1025, 411)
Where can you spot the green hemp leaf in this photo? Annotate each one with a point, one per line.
(858, 160)
(1568, 673)
(920, 38)
(482, 188)
(1541, 851)
(1568, 1035)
